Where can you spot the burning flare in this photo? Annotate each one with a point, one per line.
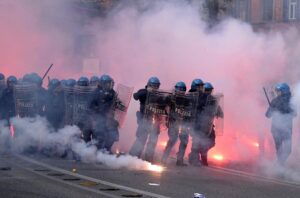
(155, 168)
(218, 157)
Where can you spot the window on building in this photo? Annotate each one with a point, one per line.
(243, 10)
(292, 9)
(267, 10)
(239, 9)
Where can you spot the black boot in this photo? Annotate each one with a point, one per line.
(180, 162)
(194, 158)
(204, 160)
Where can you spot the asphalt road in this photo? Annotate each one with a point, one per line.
(40, 177)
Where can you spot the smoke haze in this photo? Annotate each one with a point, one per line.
(167, 39)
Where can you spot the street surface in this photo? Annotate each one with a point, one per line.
(38, 176)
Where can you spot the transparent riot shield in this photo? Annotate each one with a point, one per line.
(184, 107)
(156, 106)
(69, 104)
(82, 99)
(122, 101)
(217, 104)
(270, 91)
(25, 98)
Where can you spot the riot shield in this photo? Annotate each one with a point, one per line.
(82, 100)
(156, 106)
(122, 101)
(25, 98)
(184, 107)
(216, 106)
(69, 104)
(270, 91)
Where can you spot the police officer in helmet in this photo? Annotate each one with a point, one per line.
(282, 114)
(177, 124)
(2, 87)
(55, 103)
(105, 127)
(94, 81)
(83, 81)
(7, 100)
(145, 130)
(203, 138)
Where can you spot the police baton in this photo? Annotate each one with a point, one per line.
(47, 72)
(267, 96)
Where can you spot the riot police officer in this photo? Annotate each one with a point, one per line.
(197, 85)
(105, 127)
(41, 92)
(8, 105)
(2, 87)
(282, 121)
(178, 123)
(148, 125)
(55, 103)
(68, 90)
(203, 137)
(82, 99)
(94, 81)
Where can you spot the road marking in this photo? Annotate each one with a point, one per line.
(251, 175)
(91, 178)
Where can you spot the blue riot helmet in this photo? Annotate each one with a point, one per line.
(94, 81)
(282, 88)
(53, 84)
(153, 82)
(26, 78)
(208, 87)
(71, 82)
(63, 82)
(11, 81)
(36, 79)
(106, 82)
(197, 84)
(83, 81)
(180, 87)
(2, 77)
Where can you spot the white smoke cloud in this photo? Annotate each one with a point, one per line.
(35, 133)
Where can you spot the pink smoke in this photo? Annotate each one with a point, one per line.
(169, 41)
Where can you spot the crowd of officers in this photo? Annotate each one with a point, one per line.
(87, 103)
(189, 113)
(91, 105)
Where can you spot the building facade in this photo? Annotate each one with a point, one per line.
(265, 12)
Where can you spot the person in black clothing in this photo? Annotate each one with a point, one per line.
(179, 118)
(105, 127)
(148, 127)
(282, 121)
(7, 99)
(2, 87)
(196, 86)
(54, 109)
(41, 92)
(204, 133)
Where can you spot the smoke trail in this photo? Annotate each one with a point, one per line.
(36, 133)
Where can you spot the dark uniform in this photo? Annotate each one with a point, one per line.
(7, 99)
(148, 123)
(282, 122)
(105, 128)
(2, 87)
(180, 118)
(204, 133)
(54, 109)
